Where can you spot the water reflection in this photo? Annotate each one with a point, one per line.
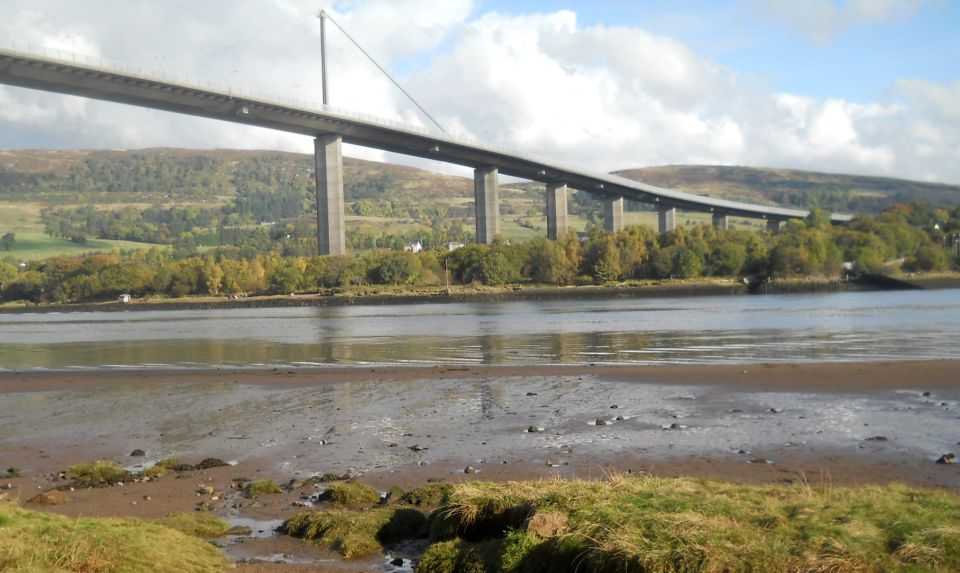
(847, 326)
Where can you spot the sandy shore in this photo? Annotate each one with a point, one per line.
(833, 423)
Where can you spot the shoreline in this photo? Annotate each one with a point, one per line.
(830, 377)
(832, 424)
(373, 296)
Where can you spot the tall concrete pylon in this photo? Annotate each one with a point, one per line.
(328, 158)
(486, 196)
(667, 217)
(613, 214)
(721, 221)
(556, 210)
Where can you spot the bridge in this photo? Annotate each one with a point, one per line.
(331, 127)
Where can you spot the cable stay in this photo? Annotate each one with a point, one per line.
(324, 14)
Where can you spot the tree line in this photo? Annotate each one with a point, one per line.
(911, 237)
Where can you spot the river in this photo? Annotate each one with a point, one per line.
(856, 326)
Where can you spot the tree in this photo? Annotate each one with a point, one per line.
(397, 268)
(8, 240)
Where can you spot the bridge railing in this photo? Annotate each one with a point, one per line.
(108, 65)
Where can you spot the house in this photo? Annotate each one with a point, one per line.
(453, 245)
(123, 299)
(414, 247)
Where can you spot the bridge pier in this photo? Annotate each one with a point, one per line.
(556, 210)
(721, 221)
(773, 225)
(486, 196)
(667, 217)
(328, 159)
(613, 214)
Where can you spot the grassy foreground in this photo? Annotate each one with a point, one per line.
(631, 525)
(43, 543)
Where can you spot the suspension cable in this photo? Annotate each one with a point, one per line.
(369, 57)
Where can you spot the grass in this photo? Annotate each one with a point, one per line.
(261, 487)
(356, 533)
(351, 492)
(195, 524)
(36, 246)
(97, 474)
(429, 494)
(631, 525)
(38, 542)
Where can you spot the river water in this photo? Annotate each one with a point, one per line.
(692, 330)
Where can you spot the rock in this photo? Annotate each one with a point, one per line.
(418, 448)
(328, 477)
(926, 394)
(208, 463)
(392, 445)
(469, 470)
(760, 461)
(137, 453)
(947, 459)
(603, 421)
(240, 530)
(532, 394)
(204, 506)
(774, 410)
(547, 524)
(614, 406)
(534, 429)
(147, 498)
(877, 439)
(12, 472)
(205, 490)
(619, 418)
(398, 562)
(52, 497)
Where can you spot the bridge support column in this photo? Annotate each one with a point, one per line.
(773, 225)
(721, 221)
(667, 217)
(329, 173)
(486, 196)
(613, 214)
(556, 210)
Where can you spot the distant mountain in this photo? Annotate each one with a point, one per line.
(788, 187)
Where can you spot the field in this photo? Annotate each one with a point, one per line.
(23, 219)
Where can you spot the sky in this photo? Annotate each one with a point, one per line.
(866, 87)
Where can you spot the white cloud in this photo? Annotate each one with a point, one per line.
(599, 97)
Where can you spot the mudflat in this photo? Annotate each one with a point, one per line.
(838, 423)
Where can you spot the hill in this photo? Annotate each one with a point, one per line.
(793, 188)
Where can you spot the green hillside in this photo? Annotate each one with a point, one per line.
(69, 201)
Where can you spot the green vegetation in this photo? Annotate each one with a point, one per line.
(196, 524)
(657, 524)
(97, 474)
(40, 542)
(261, 487)
(429, 494)
(909, 238)
(351, 492)
(354, 533)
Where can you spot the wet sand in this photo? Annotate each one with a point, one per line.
(839, 424)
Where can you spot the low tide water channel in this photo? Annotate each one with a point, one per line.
(856, 326)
